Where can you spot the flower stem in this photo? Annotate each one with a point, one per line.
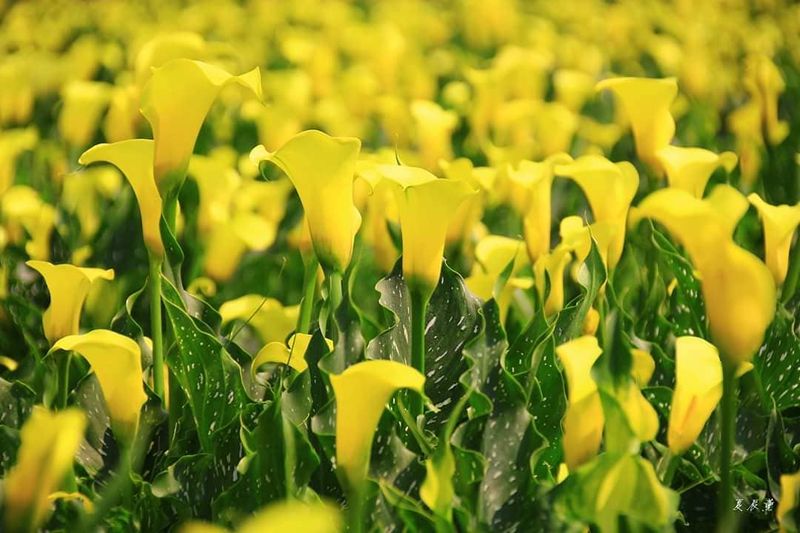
(309, 290)
(154, 285)
(728, 416)
(334, 301)
(792, 278)
(419, 308)
(667, 466)
(63, 379)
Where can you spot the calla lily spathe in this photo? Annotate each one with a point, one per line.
(322, 169)
(738, 288)
(68, 286)
(117, 362)
(550, 267)
(790, 496)
(493, 253)
(609, 188)
(426, 205)
(175, 101)
(12, 144)
(584, 420)
(698, 389)
(281, 516)
(531, 184)
(780, 223)
(134, 158)
(646, 103)
(272, 321)
(84, 103)
(48, 445)
(690, 168)
(292, 353)
(362, 392)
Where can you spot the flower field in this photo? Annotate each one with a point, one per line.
(399, 265)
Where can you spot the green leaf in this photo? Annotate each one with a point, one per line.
(452, 320)
(778, 363)
(208, 376)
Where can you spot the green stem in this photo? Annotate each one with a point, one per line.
(356, 509)
(667, 466)
(419, 309)
(116, 491)
(64, 361)
(793, 276)
(309, 290)
(334, 301)
(728, 416)
(154, 285)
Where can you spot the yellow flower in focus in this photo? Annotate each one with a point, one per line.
(738, 288)
(49, 442)
(68, 286)
(272, 321)
(790, 496)
(690, 168)
(646, 102)
(322, 170)
(531, 185)
(583, 421)
(609, 188)
(550, 268)
(362, 392)
(292, 353)
(780, 222)
(83, 104)
(134, 158)
(117, 362)
(426, 205)
(175, 101)
(698, 389)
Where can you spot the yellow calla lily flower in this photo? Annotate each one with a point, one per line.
(643, 366)
(84, 102)
(322, 169)
(49, 442)
(583, 422)
(609, 188)
(166, 47)
(362, 392)
(646, 102)
(293, 353)
(577, 238)
(552, 265)
(175, 101)
(493, 254)
(531, 185)
(790, 496)
(117, 362)
(12, 144)
(229, 241)
(698, 389)
(279, 517)
(68, 286)
(780, 222)
(765, 84)
(426, 205)
(738, 288)
(434, 128)
(641, 416)
(134, 158)
(690, 168)
(268, 317)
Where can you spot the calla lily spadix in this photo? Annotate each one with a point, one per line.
(362, 392)
(49, 442)
(175, 101)
(68, 286)
(134, 158)
(646, 103)
(738, 288)
(535, 182)
(322, 169)
(117, 362)
(780, 223)
(426, 205)
(609, 188)
(698, 389)
(690, 168)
